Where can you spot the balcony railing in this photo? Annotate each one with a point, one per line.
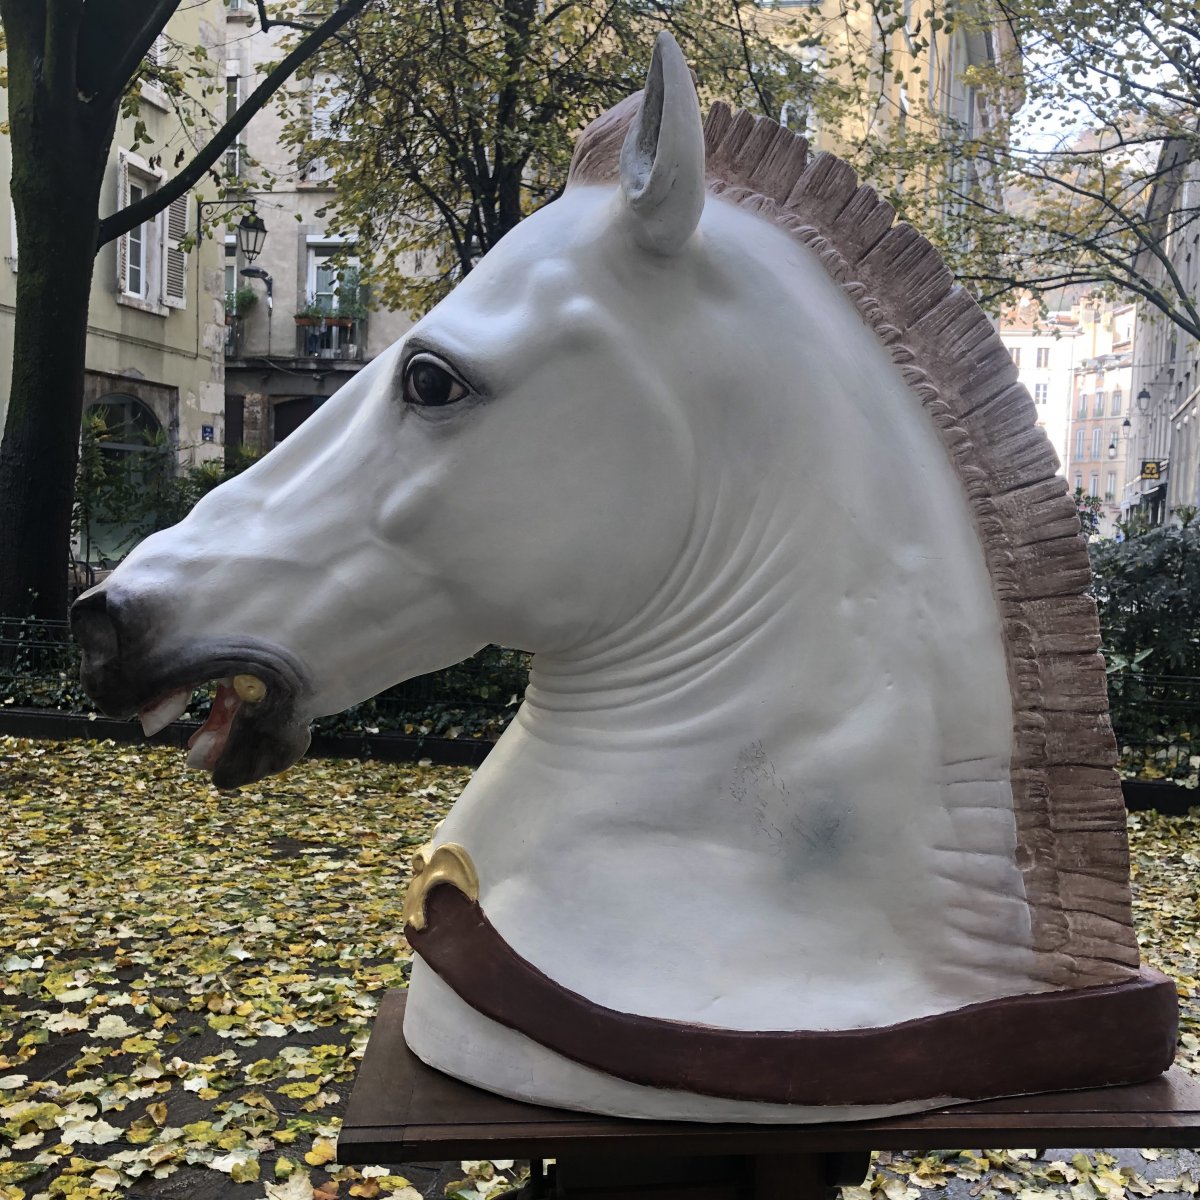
(234, 337)
(342, 338)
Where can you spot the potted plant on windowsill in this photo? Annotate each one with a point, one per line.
(314, 312)
(239, 303)
(351, 305)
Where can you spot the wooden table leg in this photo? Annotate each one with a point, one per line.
(733, 1177)
(805, 1176)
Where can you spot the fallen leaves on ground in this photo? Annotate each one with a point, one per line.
(188, 977)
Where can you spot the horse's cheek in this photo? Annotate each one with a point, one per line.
(415, 507)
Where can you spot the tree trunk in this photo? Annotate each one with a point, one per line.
(59, 158)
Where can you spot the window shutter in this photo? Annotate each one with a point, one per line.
(123, 240)
(12, 231)
(175, 257)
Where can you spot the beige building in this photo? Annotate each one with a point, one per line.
(311, 325)
(1164, 464)
(155, 365)
(1043, 351)
(925, 92)
(1099, 443)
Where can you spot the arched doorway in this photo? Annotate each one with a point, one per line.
(124, 454)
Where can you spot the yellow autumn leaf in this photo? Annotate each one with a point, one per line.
(321, 1153)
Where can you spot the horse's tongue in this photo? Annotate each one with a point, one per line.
(206, 744)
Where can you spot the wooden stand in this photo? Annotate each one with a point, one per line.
(401, 1111)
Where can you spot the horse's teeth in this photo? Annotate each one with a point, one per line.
(249, 688)
(202, 746)
(160, 714)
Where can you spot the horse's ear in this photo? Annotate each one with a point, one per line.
(662, 160)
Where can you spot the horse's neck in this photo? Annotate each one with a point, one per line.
(780, 759)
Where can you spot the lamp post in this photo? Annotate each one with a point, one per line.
(251, 231)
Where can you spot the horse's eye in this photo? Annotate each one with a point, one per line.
(429, 383)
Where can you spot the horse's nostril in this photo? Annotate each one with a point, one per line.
(93, 601)
(93, 626)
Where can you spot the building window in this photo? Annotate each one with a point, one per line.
(1097, 434)
(1110, 488)
(1081, 411)
(1015, 351)
(157, 57)
(233, 100)
(1041, 393)
(1116, 402)
(1078, 482)
(330, 270)
(1043, 356)
(335, 310)
(1079, 450)
(1094, 484)
(326, 101)
(151, 259)
(135, 253)
(1099, 409)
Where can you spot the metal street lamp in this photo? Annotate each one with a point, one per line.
(259, 273)
(1126, 426)
(1143, 400)
(251, 232)
(1112, 448)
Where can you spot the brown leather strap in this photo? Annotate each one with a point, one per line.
(1052, 1041)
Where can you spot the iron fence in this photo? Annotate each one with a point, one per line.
(1156, 719)
(39, 668)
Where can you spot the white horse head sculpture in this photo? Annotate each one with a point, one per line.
(813, 776)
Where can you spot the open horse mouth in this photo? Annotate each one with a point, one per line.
(254, 728)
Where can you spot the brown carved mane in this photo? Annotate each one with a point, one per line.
(1070, 816)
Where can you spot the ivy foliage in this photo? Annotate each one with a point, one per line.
(1147, 589)
(123, 497)
(476, 698)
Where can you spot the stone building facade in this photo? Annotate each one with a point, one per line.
(1043, 351)
(294, 347)
(1164, 465)
(1098, 443)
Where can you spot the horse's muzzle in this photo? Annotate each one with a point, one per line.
(131, 662)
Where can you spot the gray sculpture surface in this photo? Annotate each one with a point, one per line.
(810, 810)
